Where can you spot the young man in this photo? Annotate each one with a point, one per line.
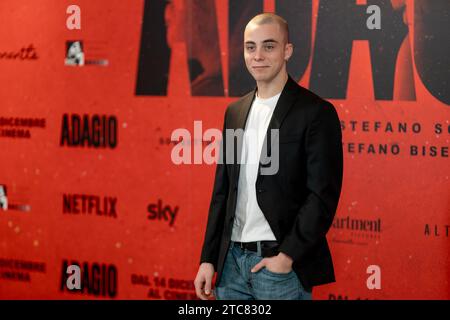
(265, 234)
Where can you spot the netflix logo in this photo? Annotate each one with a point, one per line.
(89, 205)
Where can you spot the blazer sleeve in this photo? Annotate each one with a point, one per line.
(324, 162)
(217, 208)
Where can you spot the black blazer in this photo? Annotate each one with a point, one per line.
(300, 200)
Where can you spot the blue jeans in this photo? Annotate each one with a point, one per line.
(239, 283)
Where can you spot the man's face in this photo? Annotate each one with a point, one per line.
(265, 51)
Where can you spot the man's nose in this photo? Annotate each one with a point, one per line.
(258, 54)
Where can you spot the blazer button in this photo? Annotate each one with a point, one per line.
(260, 190)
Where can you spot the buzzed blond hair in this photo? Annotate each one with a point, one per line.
(267, 17)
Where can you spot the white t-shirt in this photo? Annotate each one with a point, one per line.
(250, 223)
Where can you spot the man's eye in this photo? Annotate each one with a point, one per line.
(269, 47)
(250, 48)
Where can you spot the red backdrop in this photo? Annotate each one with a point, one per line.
(154, 66)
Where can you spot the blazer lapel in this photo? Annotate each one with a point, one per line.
(285, 102)
(244, 110)
(282, 107)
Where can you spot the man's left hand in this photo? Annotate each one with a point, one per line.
(280, 263)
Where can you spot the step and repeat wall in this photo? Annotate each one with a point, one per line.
(91, 92)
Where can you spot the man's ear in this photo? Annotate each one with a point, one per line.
(288, 50)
